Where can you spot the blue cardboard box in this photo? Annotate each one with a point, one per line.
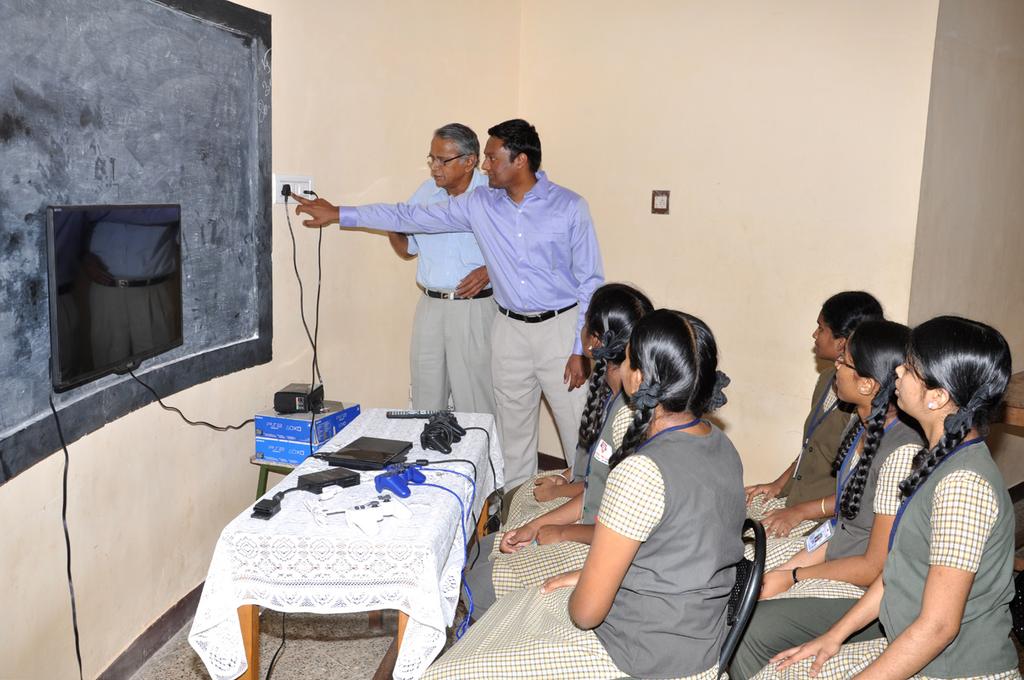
(294, 427)
(285, 438)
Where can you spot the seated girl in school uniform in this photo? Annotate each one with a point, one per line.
(651, 598)
(943, 598)
(845, 554)
(791, 505)
(532, 551)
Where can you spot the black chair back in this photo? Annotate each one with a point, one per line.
(743, 599)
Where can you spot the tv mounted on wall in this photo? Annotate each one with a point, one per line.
(115, 288)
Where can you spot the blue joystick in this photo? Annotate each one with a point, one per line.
(397, 479)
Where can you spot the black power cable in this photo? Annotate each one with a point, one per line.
(203, 423)
(286, 192)
(67, 537)
(273, 660)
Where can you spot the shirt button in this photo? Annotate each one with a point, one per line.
(523, 282)
(519, 235)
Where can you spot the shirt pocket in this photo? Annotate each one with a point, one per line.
(549, 248)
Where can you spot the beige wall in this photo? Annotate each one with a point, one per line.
(791, 137)
(969, 255)
(358, 87)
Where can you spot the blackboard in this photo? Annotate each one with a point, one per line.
(132, 101)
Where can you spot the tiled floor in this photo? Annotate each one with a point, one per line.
(339, 647)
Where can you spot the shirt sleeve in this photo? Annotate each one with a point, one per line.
(964, 510)
(634, 498)
(407, 218)
(586, 265)
(894, 470)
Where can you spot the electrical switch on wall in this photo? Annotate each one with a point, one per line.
(659, 202)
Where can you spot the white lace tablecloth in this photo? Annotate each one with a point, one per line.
(293, 563)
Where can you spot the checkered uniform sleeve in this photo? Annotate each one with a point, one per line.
(964, 510)
(620, 423)
(634, 498)
(894, 470)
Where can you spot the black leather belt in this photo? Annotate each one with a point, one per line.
(134, 283)
(450, 295)
(534, 318)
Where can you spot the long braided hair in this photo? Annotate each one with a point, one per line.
(677, 356)
(614, 309)
(876, 348)
(971, 361)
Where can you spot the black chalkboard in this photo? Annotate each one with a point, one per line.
(132, 101)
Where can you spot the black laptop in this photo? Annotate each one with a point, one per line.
(369, 453)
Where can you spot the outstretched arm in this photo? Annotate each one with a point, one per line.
(407, 218)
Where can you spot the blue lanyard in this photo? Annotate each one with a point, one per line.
(842, 481)
(669, 429)
(593, 447)
(906, 501)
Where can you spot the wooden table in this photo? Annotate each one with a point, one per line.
(249, 619)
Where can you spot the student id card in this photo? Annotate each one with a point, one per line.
(820, 536)
(603, 451)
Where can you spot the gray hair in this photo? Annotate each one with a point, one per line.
(465, 139)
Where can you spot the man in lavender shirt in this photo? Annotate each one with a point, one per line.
(541, 251)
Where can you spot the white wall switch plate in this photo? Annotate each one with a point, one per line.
(299, 184)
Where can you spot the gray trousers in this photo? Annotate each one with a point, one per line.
(528, 359)
(451, 354)
(778, 625)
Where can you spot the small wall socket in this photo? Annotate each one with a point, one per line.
(659, 201)
(299, 183)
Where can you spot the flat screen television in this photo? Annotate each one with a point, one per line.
(115, 288)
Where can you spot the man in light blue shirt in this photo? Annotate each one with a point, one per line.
(450, 353)
(542, 255)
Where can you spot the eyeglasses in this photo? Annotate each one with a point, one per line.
(431, 161)
(841, 361)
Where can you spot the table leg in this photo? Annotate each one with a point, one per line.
(481, 523)
(261, 485)
(249, 619)
(403, 621)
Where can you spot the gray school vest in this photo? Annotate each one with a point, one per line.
(851, 536)
(597, 473)
(668, 616)
(983, 645)
(813, 478)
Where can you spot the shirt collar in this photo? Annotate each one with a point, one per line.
(542, 188)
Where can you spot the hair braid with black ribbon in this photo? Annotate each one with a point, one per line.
(613, 311)
(644, 401)
(875, 429)
(971, 361)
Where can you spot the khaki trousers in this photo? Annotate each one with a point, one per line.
(451, 354)
(527, 360)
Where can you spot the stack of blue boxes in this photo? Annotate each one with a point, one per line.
(284, 438)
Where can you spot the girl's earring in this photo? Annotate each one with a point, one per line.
(931, 405)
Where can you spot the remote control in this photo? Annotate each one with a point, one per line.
(425, 415)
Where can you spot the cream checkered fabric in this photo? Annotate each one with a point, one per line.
(822, 588)
(530, 635)
(634, 498)
(534, 564)
(830, 399)
(894, 470)
(761, 505)
(964, 510)
(852, 659)
(523, 507)
(778, 550)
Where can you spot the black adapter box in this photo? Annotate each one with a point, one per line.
(299, 398)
